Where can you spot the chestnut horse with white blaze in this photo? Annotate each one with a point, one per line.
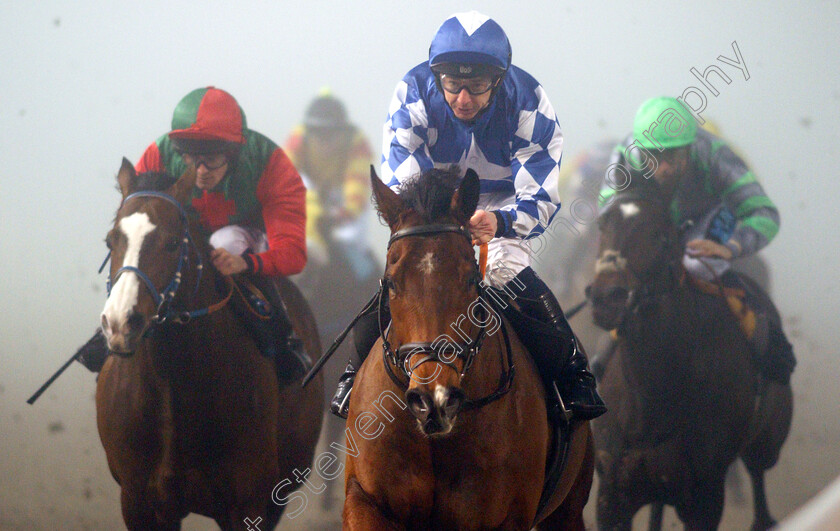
(448, 417)
(190, 414)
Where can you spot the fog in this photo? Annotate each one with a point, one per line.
(83, 84)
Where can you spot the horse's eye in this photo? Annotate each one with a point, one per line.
(390, 284)
(171, 245)
(109, 240)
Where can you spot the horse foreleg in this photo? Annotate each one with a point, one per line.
(614, 510)
(761, 519)
(655, 519)
(362, 513)
(248, 519)
(139, 515)
(703, 507)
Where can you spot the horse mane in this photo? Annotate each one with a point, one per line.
(430, 194)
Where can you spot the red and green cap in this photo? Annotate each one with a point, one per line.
(208, 116)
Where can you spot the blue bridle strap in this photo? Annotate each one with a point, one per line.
(164, 298)
(146, 280)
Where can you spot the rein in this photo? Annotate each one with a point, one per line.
(440, 351)
(163, 299)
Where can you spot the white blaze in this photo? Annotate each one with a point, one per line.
(427, 264)
(628, 210)
(124, 292)
(441, 396)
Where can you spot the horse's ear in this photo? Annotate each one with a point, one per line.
(465, 198)
(126, 177)
(183, 187)
(388, 203)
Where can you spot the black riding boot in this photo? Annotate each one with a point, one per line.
(93, 353)
(274, 335)
(365, 335)
(578, 387)
(555, 349)
(773, 352)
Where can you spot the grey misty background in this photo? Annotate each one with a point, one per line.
(84, 83)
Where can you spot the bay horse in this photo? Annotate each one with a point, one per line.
(189, 412)
(441, 435)
(685, 398)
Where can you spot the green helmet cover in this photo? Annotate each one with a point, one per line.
(664, 123)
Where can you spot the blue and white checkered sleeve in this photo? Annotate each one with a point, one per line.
(537, 149)
(405, 151)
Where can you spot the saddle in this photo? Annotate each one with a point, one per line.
(261, 311)
(736, 299)
(760, 322)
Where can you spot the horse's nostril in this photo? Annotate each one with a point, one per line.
(135, 321)
(454, 402)
(419, 403)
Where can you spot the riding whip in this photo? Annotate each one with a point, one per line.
(49, 382)
(340, 339)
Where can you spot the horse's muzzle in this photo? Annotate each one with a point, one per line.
(122, 335)
(436, 414)
(608, 304)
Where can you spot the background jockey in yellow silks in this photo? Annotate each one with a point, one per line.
(333, 156)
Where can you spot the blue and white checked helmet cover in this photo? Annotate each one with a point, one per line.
(470, 38)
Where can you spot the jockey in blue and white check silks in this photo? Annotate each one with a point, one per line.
(515, 146)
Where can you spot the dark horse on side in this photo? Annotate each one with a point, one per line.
(190, 414)
(442, 432)
(685, 397)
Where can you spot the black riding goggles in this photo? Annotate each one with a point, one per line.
(475, 86)
(212, 161)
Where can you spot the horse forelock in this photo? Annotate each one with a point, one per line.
(154, 180)
(430, 194)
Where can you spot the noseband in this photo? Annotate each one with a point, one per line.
(440, 351)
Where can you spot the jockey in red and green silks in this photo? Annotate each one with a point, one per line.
(253, 203)
(251, 200)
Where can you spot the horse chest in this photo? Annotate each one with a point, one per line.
(448, 484)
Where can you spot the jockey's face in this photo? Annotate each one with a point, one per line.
(320, 139)
(209, 169)
(673, 163)
(460, 94)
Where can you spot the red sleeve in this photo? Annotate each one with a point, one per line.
(282, 195)
(150, 161)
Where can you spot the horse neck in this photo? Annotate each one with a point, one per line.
(660, 332)
(183, 347)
